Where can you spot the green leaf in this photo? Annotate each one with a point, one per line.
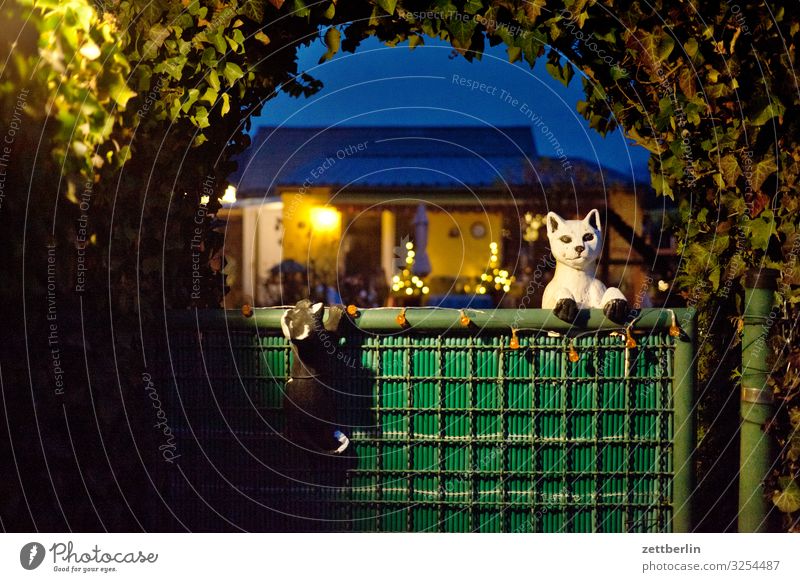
(774, 109)
(213, 80)
(300, 9)
(763, 170)
(788, 499)
(690, 46)
(120, 92)
(388, 5)
(333, 40)
(760, 230)
(232, 73)
(226, 104)
(661, 186)
(729, 167)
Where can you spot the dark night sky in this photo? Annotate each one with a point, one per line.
(381, 85)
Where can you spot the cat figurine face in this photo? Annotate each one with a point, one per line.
(575, 243)
(299, 321)
(576, 246)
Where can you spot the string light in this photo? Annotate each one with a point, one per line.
(573, 353)
(247, 310)
(352, 310)
(464, 319)
(630, 343)
(404, 283)
(494, 276)
(401, 318)
(514, 343)
(674, 330)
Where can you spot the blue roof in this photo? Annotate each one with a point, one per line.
(439, 158)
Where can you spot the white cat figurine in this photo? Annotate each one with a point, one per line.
(575, 244)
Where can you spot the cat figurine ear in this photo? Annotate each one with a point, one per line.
(554, 221)
(593, 219)
(576, 247)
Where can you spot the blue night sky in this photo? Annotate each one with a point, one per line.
(381, 85)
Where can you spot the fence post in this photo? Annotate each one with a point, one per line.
(755, 459)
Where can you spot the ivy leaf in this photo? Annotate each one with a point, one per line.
(788, 499)
(232, 73)
(774, 109)
(729, 167)
(226, 104)
(760, 230)
(763, 170)
(333, 40)
(388, 5)
(120, 92)
(661, 186)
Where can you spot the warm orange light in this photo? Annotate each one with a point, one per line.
(352, 310)
(573, 355)
(465, 321)
(674, 331)
(514, 343)
(324, 218)
(247, 310)
(401, 317)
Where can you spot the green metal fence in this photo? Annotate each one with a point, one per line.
(452, 428)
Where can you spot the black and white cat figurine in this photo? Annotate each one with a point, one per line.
(309, 403)
(576, 246)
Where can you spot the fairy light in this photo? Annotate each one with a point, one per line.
(352, 310)
(494, 277)
(464, 319)
(401, 317)
(674, 330)
(573, 353)
(630, 343)
(405, 283)
(514, 343)
(247, 310)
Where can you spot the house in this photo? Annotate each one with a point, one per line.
(342, 201)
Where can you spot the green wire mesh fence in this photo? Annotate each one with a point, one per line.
(452, 430)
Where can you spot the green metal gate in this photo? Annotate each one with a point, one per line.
(512, 421)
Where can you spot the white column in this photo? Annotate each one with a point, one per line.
(388, 244)
(249, 253)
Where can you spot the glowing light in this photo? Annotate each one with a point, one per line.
(411, 254)
(324, 219)
(396, 279)
(409, 245)
(481, 289)
(425, 290)
(204, 199)
(229, 197)
(409, 291)
(663, 285)
(506, 288)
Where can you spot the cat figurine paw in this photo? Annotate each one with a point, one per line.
(576, 246)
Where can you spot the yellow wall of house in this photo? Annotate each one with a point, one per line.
(463, 255)
(303, 240)
(460, 256)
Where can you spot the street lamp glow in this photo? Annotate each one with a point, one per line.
(324, 219)
(229, 197)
